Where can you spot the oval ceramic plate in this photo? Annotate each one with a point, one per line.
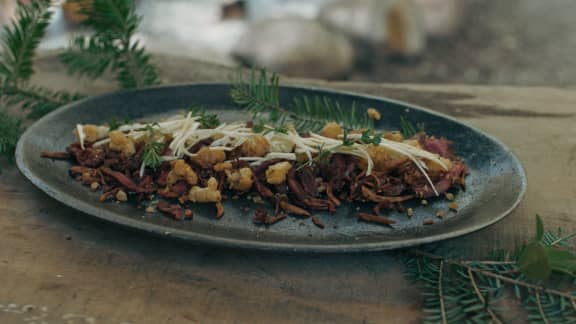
(495, 184)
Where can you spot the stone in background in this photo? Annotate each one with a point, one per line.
(296, 47)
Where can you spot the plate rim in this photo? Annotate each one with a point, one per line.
(156, 229)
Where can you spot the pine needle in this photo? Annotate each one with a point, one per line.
(260, 95)
(151, 157)
(152, 150)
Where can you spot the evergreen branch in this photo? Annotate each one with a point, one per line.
(116, 18)
(134, 68)
(20, 39)
(516, 282)
(19, 42)
(112, 46)
(540, 309)
(464, 297)
(38, 101)
(493, 315)
(441, 293)
(11, 130)
(88, 57)
(562, 239)
(260, 96)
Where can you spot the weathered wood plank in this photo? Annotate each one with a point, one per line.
(52, 256)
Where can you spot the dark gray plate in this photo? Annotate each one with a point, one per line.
(494, 187)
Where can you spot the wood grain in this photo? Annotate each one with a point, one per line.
(68, 267)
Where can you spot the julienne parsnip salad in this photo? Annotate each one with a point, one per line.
(174, 164)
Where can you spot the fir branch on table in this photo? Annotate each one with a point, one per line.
(112, 46)
(260, 95)
(36, 100)
(19, 41)
(456, 291)
(89, 57)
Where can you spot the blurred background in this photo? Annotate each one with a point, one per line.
(512, 42)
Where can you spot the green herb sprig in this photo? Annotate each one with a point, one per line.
(151, 157)
(346, 141)
(206, 120)
(115, 122)
(18, 43)
(408, 129)
(369, 137)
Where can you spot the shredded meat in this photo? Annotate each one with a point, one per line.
(289, 208)
(317, 222)
(124, 181)
(374, 219)
(260, 216)
(56, 155)
(440, 146)
(173, 210)
(275, 219)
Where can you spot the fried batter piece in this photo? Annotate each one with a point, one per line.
(209, 193)
(181, 171)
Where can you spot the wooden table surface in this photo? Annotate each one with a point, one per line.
(58, 265)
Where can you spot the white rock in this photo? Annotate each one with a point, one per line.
(296, 47)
